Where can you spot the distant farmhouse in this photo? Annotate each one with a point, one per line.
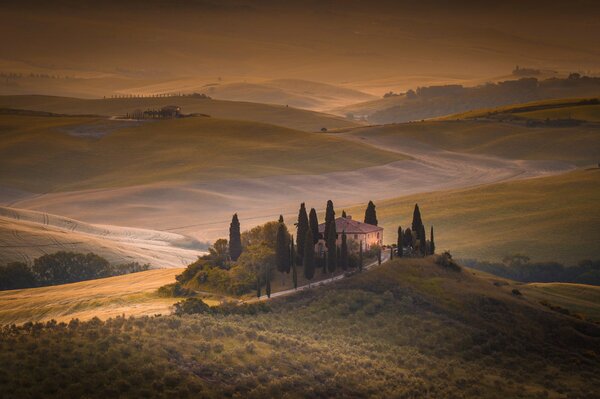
(368, 234)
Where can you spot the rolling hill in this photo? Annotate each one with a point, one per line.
(426, 330)
(26, 235)
(549, 219)
(273, 114)
(579, 145)
(43, 154)
(578, 108)
(131, 294)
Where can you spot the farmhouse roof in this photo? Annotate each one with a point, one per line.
(351, 226)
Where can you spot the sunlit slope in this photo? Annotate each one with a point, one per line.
(26, 235)
(273, 114)
(577, 108)
(577, 298)
(43, 154)
(409, 328)
(131, 294)
(578, 144)
(553, 218)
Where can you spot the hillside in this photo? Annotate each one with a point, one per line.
(579, 145)
(273, 114)
(579, 108)
(442, 100)
(293, 92)
(43, 154)
(577, 298)
(131, 294)
(549, 218)
(26, 235)
(408, 329)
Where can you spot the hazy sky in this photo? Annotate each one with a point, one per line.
(329, 41)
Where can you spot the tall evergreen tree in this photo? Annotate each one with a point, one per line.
(293, 257)
(313, 224)
(408, 239)
(422, 241)
(280, 219)
(416, 222)
(371, 214)
(332, 249)
(432, 242)
(282, 254)
(308, 258)
(329, 218)
(360, 257)
(258, 285)
(301, 228)
(268, 285)
(235, 238)
(400, 243)
(344, 214)
(344, 252)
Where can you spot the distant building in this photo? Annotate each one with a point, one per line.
(356, 231)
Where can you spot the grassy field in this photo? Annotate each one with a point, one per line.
(131, 294)
(552, 218)
(577, 298)
(44, 154)
(408, 329)
(579, 145)
(552, 109)
(273, 114)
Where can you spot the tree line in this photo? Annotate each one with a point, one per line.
(62, 268)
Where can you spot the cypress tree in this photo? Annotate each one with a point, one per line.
(329, 218)
(258, 285)
(416, 222)
(332, 249)
(235, 238)
(301, 228)
(400, 242)
(432, 242)
(371, 214)
(344, 214)
(308, 258)
(360, 258)
(268, 287)
(391, 253)
(379, 256)
(313, 225)
(422, 241)
(344, 252)
(282, 254)
(408, 238)
(293, 263)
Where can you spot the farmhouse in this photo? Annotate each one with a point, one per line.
(356, 231)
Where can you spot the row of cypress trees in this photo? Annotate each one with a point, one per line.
(417, 229)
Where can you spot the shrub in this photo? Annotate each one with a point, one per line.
(445, 260)
(191, 306)
(16, 275)
(174, 290)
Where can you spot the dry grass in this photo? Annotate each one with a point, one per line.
(132, 294)
(38, 153)
(579, 145)
(550, 218)
(272, 114)
(577, 298)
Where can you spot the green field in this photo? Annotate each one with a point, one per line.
(273, 114)
(410, 328)
(552, 218)
(41, 154)
(579, 145)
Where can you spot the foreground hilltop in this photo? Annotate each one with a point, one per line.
(410, 328)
